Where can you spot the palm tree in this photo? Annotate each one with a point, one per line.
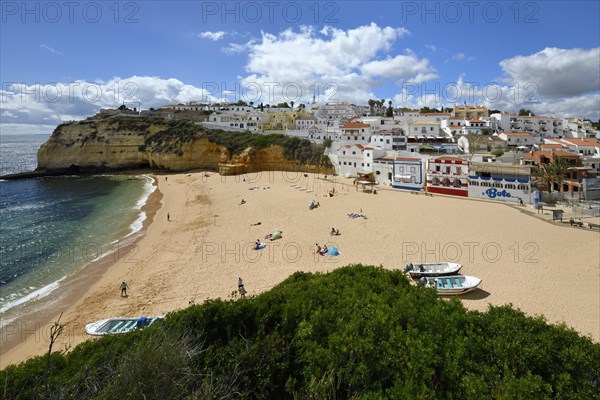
(553, 172)
(390, 110)
(545, 174)
(372, 105)
(292, 104)
(560, 167)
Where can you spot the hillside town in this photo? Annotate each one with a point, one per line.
(466, 150)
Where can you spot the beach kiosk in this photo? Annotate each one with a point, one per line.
(366, 179)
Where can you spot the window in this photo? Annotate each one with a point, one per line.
(423, 130)
(344, 152)
(437, 168)
(431, 128)
(368, 164)
(458, 170)
(400, 168)
(353, 152)
(447, 170)
(497, 185)
(456, 183)
(362, 164)
(435, 181)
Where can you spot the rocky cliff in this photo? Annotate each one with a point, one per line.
(131, 142)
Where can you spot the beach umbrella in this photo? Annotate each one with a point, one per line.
(333, 251)
(276, 235)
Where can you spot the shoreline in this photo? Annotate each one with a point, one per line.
(207, 245)
(39, 313)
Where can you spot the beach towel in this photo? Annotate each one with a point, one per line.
(276, 235)
(333, 251)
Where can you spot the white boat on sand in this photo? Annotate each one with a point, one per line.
(458, 284)
(432, 269)
(112, 326)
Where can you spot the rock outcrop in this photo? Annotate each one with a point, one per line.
(133, 142)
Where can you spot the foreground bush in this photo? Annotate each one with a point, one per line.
(358, 332)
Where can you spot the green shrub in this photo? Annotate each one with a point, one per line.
(357, 332)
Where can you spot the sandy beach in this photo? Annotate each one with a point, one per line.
(539, 267)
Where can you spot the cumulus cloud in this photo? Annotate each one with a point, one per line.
(557, 72)
(348, 63)
(51, 104)
(214, 36)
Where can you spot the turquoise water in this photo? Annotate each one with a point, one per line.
(52, 227)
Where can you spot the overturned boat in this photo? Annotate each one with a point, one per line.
(118, 325)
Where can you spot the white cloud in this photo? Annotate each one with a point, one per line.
(349, 62)
(462, 57)
(214, 36)
(53, 104)
(50, 49)
(557, 72)
(401, 67)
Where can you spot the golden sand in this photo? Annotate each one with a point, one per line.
(539, 267)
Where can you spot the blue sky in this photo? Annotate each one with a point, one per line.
(61, 61)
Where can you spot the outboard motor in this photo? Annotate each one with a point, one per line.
(409, 267)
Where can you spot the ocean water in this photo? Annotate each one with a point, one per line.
(52, 227)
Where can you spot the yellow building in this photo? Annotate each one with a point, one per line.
(470, 112)
(283, 120)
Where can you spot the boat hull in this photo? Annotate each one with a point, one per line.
(417, 271)
(113, 326)
(452, 285)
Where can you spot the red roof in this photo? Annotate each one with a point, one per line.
(355, 125)
(452, 159)
(517, 134)
(582, 142)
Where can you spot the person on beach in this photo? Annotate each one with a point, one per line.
(318, 248)
(257, 244)
(124, 288)
(168, 217)
(241, 288)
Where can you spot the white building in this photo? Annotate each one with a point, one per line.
(541, 125)
(448, 175)
(349, 159)
(500, 182)
(400, 172)
(388, 140)
(423, 129)
(516, 139)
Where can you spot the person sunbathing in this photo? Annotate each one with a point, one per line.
(323, 250)
(269, 236)
(335, 232)
(257, 244)
(318, 248)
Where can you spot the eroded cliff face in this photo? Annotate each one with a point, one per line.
(130, 143)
